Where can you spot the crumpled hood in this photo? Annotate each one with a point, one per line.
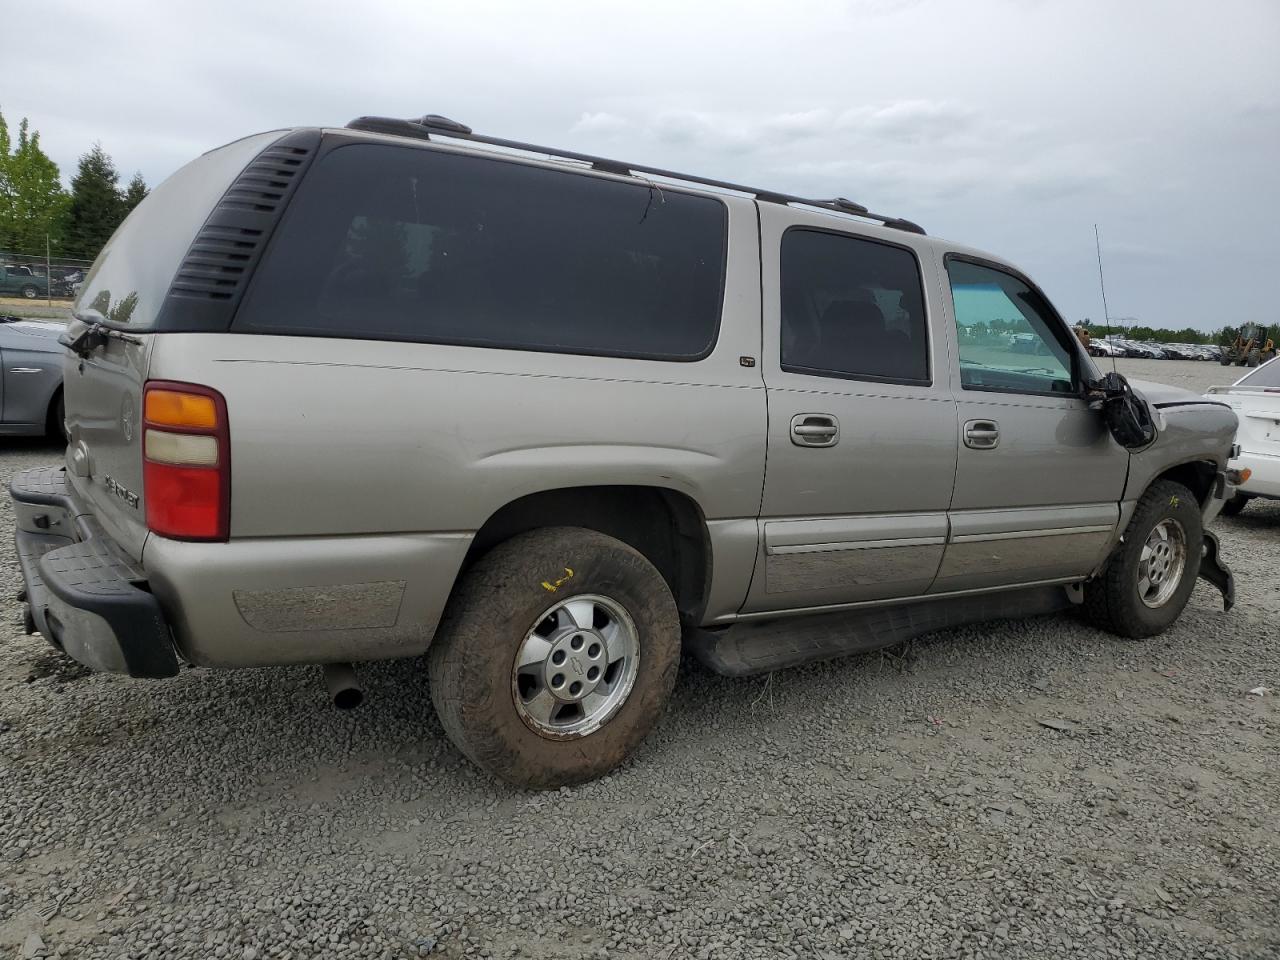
(1162, 395)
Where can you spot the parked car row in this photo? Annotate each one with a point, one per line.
(1119, 347)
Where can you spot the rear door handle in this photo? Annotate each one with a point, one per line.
(981, 434)
(815, 430)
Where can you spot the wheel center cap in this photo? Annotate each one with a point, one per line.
(575, 665)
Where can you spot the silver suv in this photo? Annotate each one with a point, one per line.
(348, 394)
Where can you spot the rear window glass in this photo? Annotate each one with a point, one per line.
(852, 308)
(398, 243)
(1267, 375)
(129, 280)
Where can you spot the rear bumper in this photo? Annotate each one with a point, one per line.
(246, 603)
(83, 593)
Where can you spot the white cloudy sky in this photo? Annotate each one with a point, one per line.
(1012, 125)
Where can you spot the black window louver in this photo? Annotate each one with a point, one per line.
(211, 278)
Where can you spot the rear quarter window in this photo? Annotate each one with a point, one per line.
(403, 243)
(128, 282)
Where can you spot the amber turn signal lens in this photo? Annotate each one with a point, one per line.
(170, 408)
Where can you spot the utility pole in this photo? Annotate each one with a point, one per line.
(48, 274)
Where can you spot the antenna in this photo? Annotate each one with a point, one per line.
(1106, 315)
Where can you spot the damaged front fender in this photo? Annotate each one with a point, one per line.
(1216, 572)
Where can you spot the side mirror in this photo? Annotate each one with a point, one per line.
(1126, 413)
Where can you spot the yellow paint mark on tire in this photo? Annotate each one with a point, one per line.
(551, 586)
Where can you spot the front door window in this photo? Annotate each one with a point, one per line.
(1010, 340)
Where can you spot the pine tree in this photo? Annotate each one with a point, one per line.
(6, 187)
(134, 194)
(96, 205)
(33, 205)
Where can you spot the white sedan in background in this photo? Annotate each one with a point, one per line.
(1255, 398)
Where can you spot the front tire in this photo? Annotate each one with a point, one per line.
(1150, 575)
(556, 657)
(30, 292)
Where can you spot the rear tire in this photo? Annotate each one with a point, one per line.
(30, 292)
(511, 609)
(1149, 576)
(1233, 506)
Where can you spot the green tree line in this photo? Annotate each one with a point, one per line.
(34, 205)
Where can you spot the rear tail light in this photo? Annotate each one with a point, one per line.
(186, 454)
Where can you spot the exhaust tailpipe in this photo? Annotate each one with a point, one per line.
(344, 689)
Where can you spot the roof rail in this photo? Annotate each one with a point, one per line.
(424, 127)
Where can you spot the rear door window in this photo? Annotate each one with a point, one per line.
(852, 308)
(403, 243)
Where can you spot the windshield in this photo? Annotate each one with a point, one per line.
(131, 276)
(1267, 375)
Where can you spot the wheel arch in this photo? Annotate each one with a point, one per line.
(1196, 475)
(667, 526)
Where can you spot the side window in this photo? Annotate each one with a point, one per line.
(1009, 338)
(852, 308)
(402, 243)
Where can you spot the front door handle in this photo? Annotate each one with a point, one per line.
(815, 430)
(981, 434)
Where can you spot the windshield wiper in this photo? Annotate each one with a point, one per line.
(93, 336)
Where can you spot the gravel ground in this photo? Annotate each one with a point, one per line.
(900, 804)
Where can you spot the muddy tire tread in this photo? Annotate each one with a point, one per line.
(483, 622)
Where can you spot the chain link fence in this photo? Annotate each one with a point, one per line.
(38, 277)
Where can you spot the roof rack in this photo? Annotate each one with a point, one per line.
(424, 127)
